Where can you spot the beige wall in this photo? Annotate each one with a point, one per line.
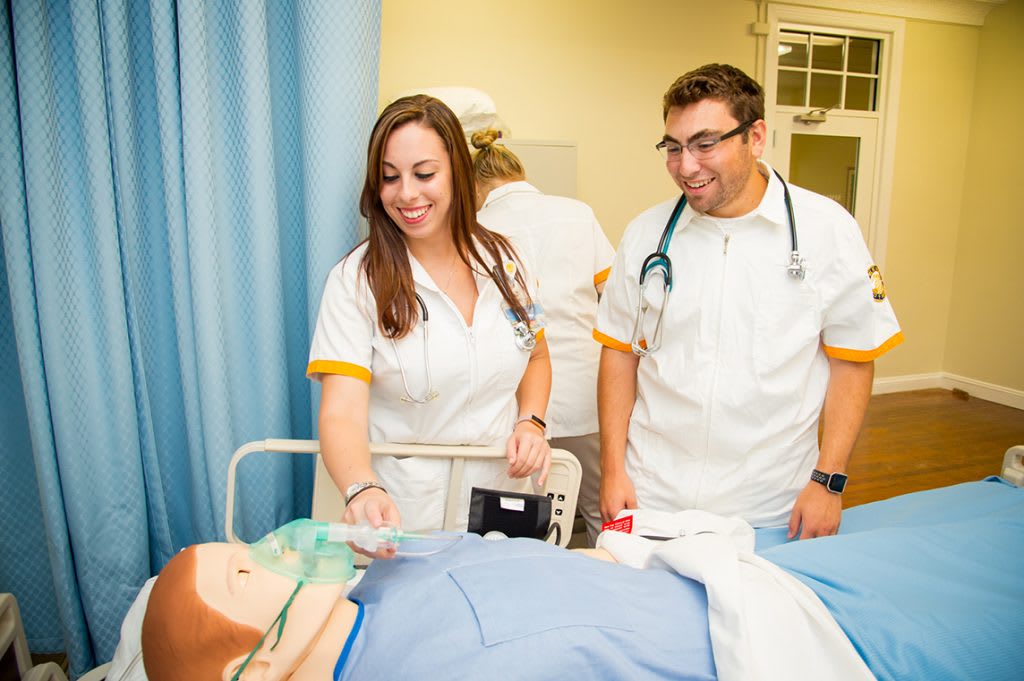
(935, 110)
(594, 73)
(985, 338)
(590, 72)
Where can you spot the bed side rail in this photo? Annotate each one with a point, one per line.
(562, 487)
(1013, 465)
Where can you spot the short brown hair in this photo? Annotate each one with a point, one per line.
(722, 82)
(183, 638)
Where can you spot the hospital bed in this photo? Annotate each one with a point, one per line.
(941, 639)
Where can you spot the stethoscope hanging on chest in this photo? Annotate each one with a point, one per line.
(525, 339)
(659, 263)
(431, 393)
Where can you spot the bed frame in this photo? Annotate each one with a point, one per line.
(563, 483)
(1013, 465)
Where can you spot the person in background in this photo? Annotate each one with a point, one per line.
(571, 257)
(480, 376)
(755, 343)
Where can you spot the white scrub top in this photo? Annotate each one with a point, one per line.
(570, 255)
(475, 371)
(726, 413)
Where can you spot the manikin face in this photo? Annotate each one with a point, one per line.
(416, 187)
(727, 184)
(230, 582)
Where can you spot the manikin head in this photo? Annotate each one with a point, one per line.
(211, 605)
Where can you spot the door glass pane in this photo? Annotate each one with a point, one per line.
(827, 52)
(791, 88)
(863, 56)
(860, 93)
(826, 164)
(825, 90)
(792, 49)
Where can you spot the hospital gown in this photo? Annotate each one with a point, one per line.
(522, 609)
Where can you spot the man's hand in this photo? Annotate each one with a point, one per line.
(817, 511)
(617, 493)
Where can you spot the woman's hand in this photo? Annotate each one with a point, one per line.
(374, 507)
(528, 452)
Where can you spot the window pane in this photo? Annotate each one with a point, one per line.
(825, 89)
(826, 164)
(860, 93)
(793, 49)
(791, 88)
(863, 56)
(827, 52)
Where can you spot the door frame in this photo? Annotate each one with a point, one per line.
(891, 32)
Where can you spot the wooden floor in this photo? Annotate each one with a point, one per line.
(919, 440)
(929, 438)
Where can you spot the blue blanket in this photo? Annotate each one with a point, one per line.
(927, 585)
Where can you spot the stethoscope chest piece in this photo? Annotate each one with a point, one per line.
(522, 331)
(796, 268)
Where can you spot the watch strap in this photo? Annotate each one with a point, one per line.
(833, 482)
(535, 420)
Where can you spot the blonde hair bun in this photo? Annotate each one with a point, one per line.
(485, 138)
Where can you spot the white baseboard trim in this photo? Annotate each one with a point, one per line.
(1009, 397)
(899, 384)
(986, 391)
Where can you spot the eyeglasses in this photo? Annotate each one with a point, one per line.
(701, 149)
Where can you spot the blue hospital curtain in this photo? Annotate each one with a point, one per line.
(176, 179)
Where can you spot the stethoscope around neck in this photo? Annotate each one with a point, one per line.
(659, 263)
(525, 338)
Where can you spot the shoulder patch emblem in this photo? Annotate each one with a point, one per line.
(877, 285)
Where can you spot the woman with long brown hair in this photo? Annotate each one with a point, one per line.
(428, 332)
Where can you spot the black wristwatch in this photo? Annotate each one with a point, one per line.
(834, 482)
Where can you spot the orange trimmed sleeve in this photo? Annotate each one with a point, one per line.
(326, 366)
(865, 355)
(612, 343)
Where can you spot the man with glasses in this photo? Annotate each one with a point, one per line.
(722, 342)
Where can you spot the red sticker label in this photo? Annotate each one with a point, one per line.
(621, 525)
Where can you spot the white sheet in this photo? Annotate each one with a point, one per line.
(127, 662)
(764, 623)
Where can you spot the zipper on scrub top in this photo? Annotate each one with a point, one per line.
(470, 337)
(715, 363)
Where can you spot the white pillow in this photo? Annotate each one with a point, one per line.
(127, 662)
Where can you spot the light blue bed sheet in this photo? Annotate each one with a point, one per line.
(926, 586)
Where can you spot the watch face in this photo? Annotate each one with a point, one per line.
(836, 483)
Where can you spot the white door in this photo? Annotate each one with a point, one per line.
(834, 157)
